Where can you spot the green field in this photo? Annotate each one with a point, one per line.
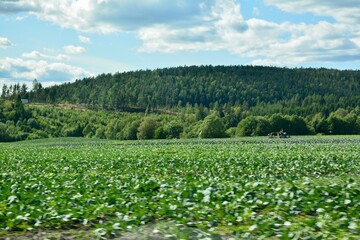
(247, 188)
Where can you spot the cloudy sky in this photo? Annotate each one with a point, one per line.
(62, 40)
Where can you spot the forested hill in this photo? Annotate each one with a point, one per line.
(259, 90)
(204, 102)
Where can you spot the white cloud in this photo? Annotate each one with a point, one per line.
(223, 21)
(38, 55)
(20, 70)
(84, 39)
(209, 25)
(70, 49)
(14, 6)
(108, 16)
(162, 38)
(345, 11)
(5, 43)
(111, 16)
(33, 54)
(267, 42)
(20, 18)
(48, 67)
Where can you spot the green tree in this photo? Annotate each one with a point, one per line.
(173, 129)
(147, 128)
(100, 132)
(89, 130)
(341, 122)
(253, 126)
(200, 112)
(160, 133)
(319, 123)
(36, 86)
(4, 93)
(298, 126)
(130, 130)
(23, 91)
(4, 136)
(112, 129)
(280, 121)
(20, 112)
(212, 127)
(72, 131)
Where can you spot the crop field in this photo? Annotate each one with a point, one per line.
(247, 188)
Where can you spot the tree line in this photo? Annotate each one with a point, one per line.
(26, 122)
(257, 90)
(187, 102)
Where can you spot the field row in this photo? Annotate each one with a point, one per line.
(249, 188)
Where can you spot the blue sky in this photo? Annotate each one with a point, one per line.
(60, 41)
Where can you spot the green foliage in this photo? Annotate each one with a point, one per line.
(257, 100)
(4, 136)
(253, 126)
(255, 89)
(319, 123)
(212, 127)
(89, 130)
(130, 130)
(299, 126)
(193, 130)
(38, 134)
(111, 129)
(341, 122)
(247, 188)
(231, 132)
(147, 128)
(73, 131)
(279, 121)
(160, 133)
(100, 132)
(261, 126)
(19, 109)
(33, 123)
(60, 122)
(171, 130)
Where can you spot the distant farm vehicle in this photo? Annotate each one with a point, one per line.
(280, 134)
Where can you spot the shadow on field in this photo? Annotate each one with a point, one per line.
(158, 231)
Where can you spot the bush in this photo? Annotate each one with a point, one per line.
(100, 132)
(160, 133)
(39, 134)
(212, 127)
(173, 130)
(253, 126)
(147, 128)
(4, 136)
(231, 132)
(130, 130)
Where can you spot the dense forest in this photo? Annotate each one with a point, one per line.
(187, 102)
(262, 90)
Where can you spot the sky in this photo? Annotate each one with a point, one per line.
(60, 41)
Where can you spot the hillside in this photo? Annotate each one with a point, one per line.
(187, 102)
(263, 90)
